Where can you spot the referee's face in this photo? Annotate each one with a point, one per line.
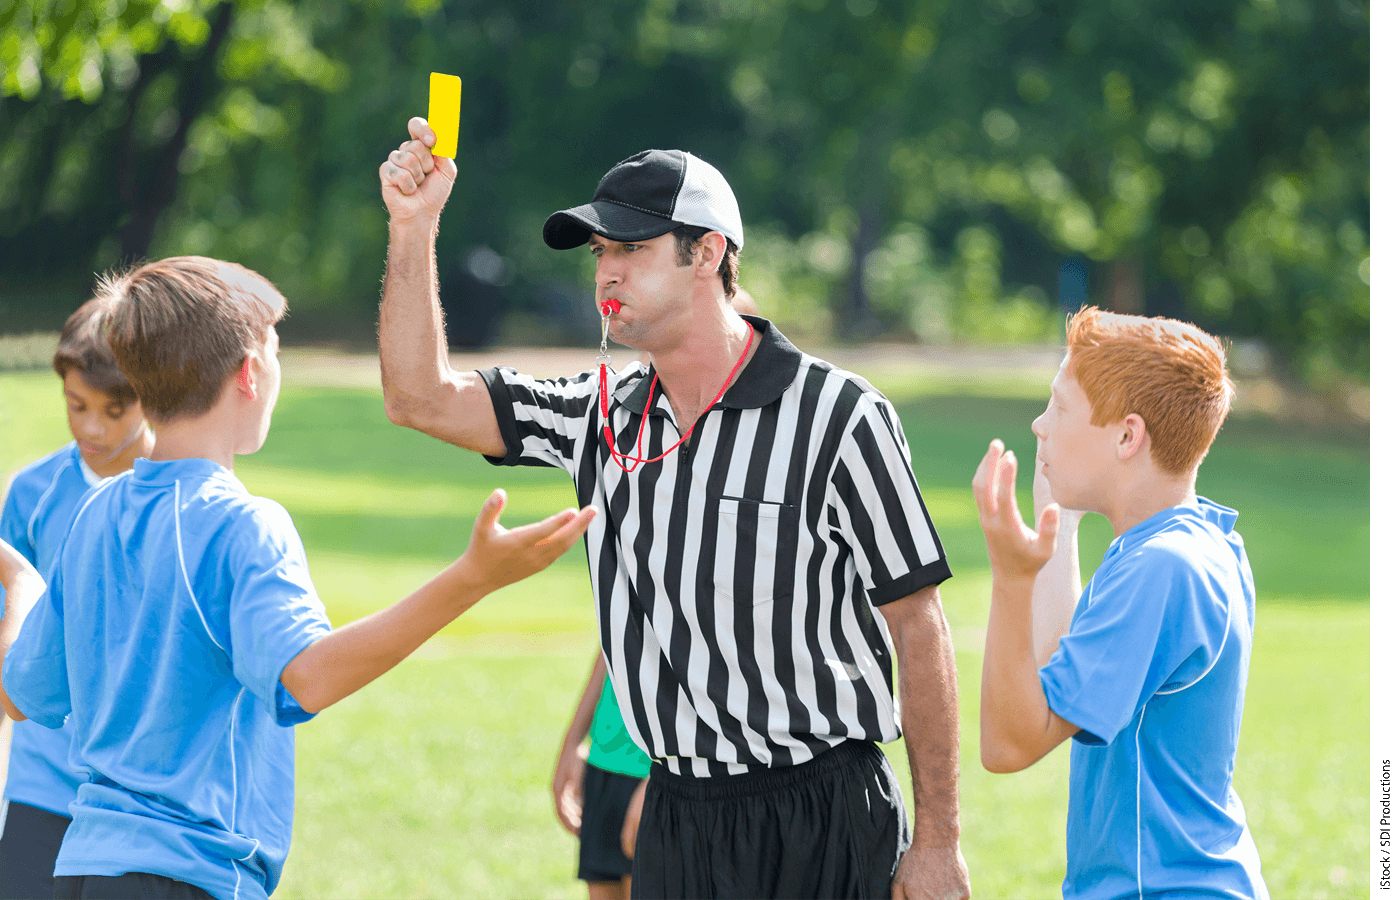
(1074, 454)
(653, 290)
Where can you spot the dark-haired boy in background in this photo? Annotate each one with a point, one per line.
(109, 432)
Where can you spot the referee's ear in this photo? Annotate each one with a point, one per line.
(710, 254)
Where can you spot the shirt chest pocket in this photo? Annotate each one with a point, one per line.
(755, 551)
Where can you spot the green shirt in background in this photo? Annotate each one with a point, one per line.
(612, 748)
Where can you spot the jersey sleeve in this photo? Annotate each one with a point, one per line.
(274, 612)
(880, 510)
(36, 670)
(541, 421)
(1147, 625)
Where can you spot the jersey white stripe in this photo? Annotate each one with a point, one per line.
(727, 647)
(184, 573)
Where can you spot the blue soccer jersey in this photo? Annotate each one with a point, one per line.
(1153, 671)
(39, 507)
(176, 601)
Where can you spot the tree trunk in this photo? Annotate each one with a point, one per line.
(857, 319)
(147, 198)
(1125, 294)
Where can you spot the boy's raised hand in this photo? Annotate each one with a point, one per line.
(414, 183)
(498, 556)
(14, 568)
(23, 587)
(1014, 549)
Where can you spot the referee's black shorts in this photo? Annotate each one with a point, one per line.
(834, 826)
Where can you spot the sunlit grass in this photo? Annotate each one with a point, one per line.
(433, 781)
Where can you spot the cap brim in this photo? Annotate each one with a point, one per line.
(571, 228)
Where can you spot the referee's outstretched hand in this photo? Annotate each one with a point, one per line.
(1015, 551)
(499, 556)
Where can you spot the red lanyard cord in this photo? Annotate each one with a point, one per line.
(621, 458)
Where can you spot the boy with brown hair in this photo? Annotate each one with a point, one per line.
(109, 432)
(180, 626)
(1148, 675)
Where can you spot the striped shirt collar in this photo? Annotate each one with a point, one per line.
(763, 380)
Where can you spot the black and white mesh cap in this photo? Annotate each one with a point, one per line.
(648, 195)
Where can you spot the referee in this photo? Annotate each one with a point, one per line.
(763, 548)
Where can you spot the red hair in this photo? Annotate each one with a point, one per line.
(1171, 373)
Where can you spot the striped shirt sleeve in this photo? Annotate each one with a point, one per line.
(879, 509)
(541, 421)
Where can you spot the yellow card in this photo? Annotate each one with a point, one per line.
(444, 112)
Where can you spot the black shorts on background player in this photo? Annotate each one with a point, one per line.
(131, 886)
(28, 847)
(605, 799)
(830, 827)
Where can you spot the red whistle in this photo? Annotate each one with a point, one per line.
(610, 306)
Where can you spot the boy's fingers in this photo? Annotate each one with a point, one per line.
(490, 512)
(1048, 529)
(986, 470)
(572, 530)
(537, 533)
(1005, 487)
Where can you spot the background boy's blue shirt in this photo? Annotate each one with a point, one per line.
(1154, 670)
(39, 508)
(176, 603)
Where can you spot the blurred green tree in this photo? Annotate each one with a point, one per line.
(99, 105)
(926, 168)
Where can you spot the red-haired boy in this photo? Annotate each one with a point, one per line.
(1148, 674)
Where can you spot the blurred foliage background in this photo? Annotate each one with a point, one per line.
(915, 170)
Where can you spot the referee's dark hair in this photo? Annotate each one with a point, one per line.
(687, 236)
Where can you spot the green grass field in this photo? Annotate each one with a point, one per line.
(434, 781)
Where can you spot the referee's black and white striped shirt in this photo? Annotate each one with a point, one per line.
(734, 579)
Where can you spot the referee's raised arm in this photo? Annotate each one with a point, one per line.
(421, 390)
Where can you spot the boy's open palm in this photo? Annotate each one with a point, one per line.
(500, 556)
(1015, 550)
